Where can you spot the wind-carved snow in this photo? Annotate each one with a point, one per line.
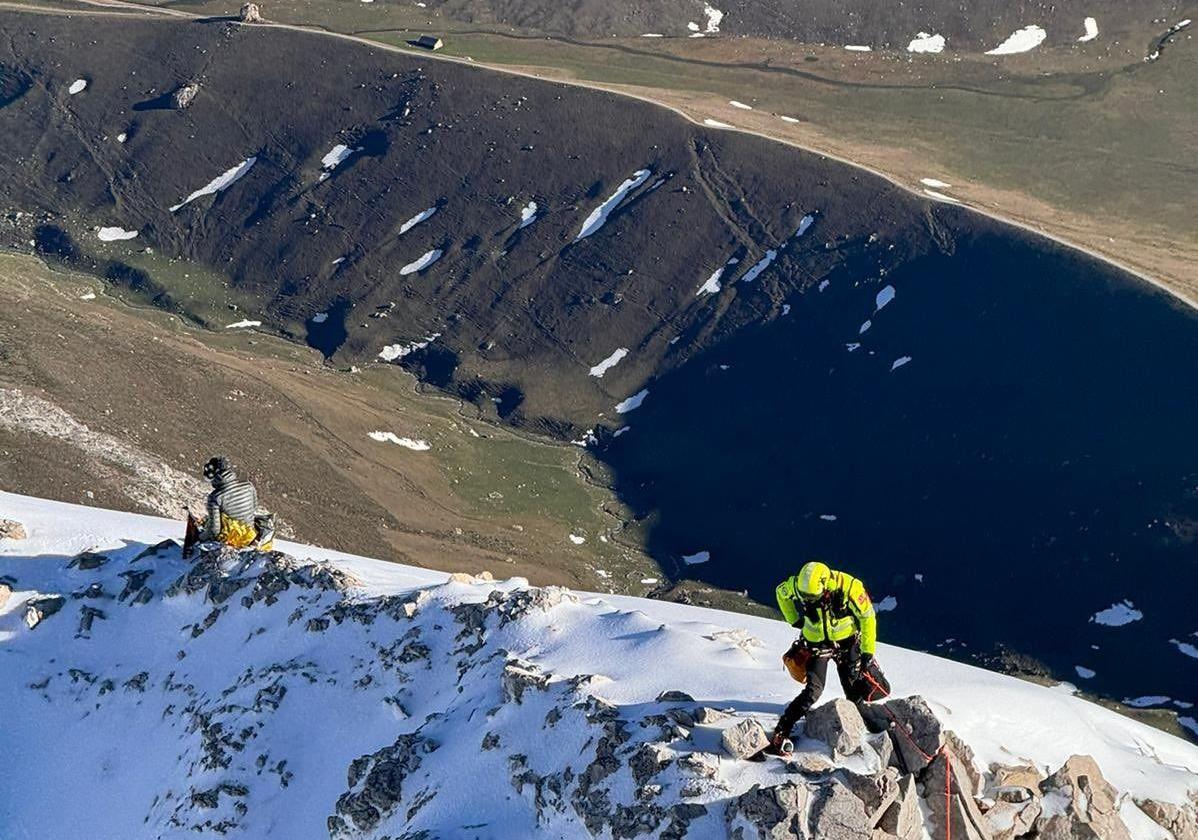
(710, 123)
(528, 215)
(925, 42)
(220, 183)
(883, 297)
(397, 351)
(598, 217)
(697, 558)
(1021, 41)
(406, 442)
(1091, 30)
(737, 104)
(115, 234)
(633, 402)
(422, 216)
(77, 86)
(609, 363)
(237, 325)
(712, 286)
(935, 183)
(887, 604)
(899, 362)
(423, 262)
(318, 688)
(858, 48)
(336, 156)
(1117, 615)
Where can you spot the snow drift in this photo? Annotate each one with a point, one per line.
(313, 693)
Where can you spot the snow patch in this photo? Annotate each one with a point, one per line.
(939, 196)
(406, 442)
(1117, 615)
(220, 183)
(1146, 701)
(899, 362)
(884, 297)
(858, 48)
(1185, 647)
(736, 104)
(925, 42)
(1021, 41)
(828, 517)
(422, 216)
(336, 156)
(422, 263)
(1084, 672)
(886, 604)
(785, 118)
(88, 296)
(240, 324)
(761, 265)
(122, 137)
(633, 402)
(320, 317)
(696, 558)
(115, 234)
(77, 86)
(577, 540)
(397, 351)
(935, 183)
(865, 327)
(710, 123)
(714, 16)
(598, 217)
(609, 363)
(1091, 30)
(785, 309)
(528, 215)
(712, 286)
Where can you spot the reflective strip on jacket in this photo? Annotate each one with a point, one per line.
(844, 610)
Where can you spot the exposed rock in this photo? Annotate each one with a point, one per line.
(88, 561)
(702, 764)
(490, 741)
(1093, 810)
(920, 734)
(1014, 782)
(462, 577)
(675, 697)
(837, 814)
(771, 813)
(135, 580)
(87, 615)
(1179, 820)
(250, 13)
(518, 676)
(959, 809)
(5, 594)
(1010, 820)
(876, 792)
(707, 715)
(883, 747)
(837, 724)
(184, 95)
(903, 818)
(376, 784)
(156, 549)
(39, 609)
(744, 739)
(317, 625)
(648, 761)
(810, 764)
(10, 529)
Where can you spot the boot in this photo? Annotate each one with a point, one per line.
(780, 746)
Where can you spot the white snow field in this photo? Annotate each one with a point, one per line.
(633, 402)
(115, 234)
(609, 363)
(406, 442)
(1091, 30)
(598, 217)
(219, 183)
(253, 697)
(925, 42)
(423, 262)
(1022, 40)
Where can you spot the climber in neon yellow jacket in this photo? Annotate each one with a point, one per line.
(839, 624)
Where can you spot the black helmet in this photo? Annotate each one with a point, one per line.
(216, 466)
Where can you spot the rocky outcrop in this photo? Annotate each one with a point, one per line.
(914, 728)
(38, 610)
(837, 814)
(10, 529)
(520, 676)
(1179, 820)
(837, 724)
(87, 561)
(376, 785)
(250, 13)
(184, 95)
(744, 739)
(1092, 810)
(768, 813)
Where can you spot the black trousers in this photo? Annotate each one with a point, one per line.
(846, 659)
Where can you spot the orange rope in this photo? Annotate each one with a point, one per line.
(948, 767)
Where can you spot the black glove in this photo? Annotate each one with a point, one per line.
(864, 662)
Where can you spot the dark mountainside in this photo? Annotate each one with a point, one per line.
(976, 25)
(1032, 458)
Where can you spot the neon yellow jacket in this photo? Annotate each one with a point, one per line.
(844, 610)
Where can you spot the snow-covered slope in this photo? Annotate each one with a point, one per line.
(356, 698)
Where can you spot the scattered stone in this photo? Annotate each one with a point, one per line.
(10, 529)
(921, 732)
(135, 580)
(39, 609)
(744, 739)
(518, 676)
(1093, 809)
(184, 95)
(87, 561)
(87, 615)
(648, 761)
(837, 814)
(771, 813)
(810, 764)
(707, 715)
(837, 724)
(903, 818)
(250, 13)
